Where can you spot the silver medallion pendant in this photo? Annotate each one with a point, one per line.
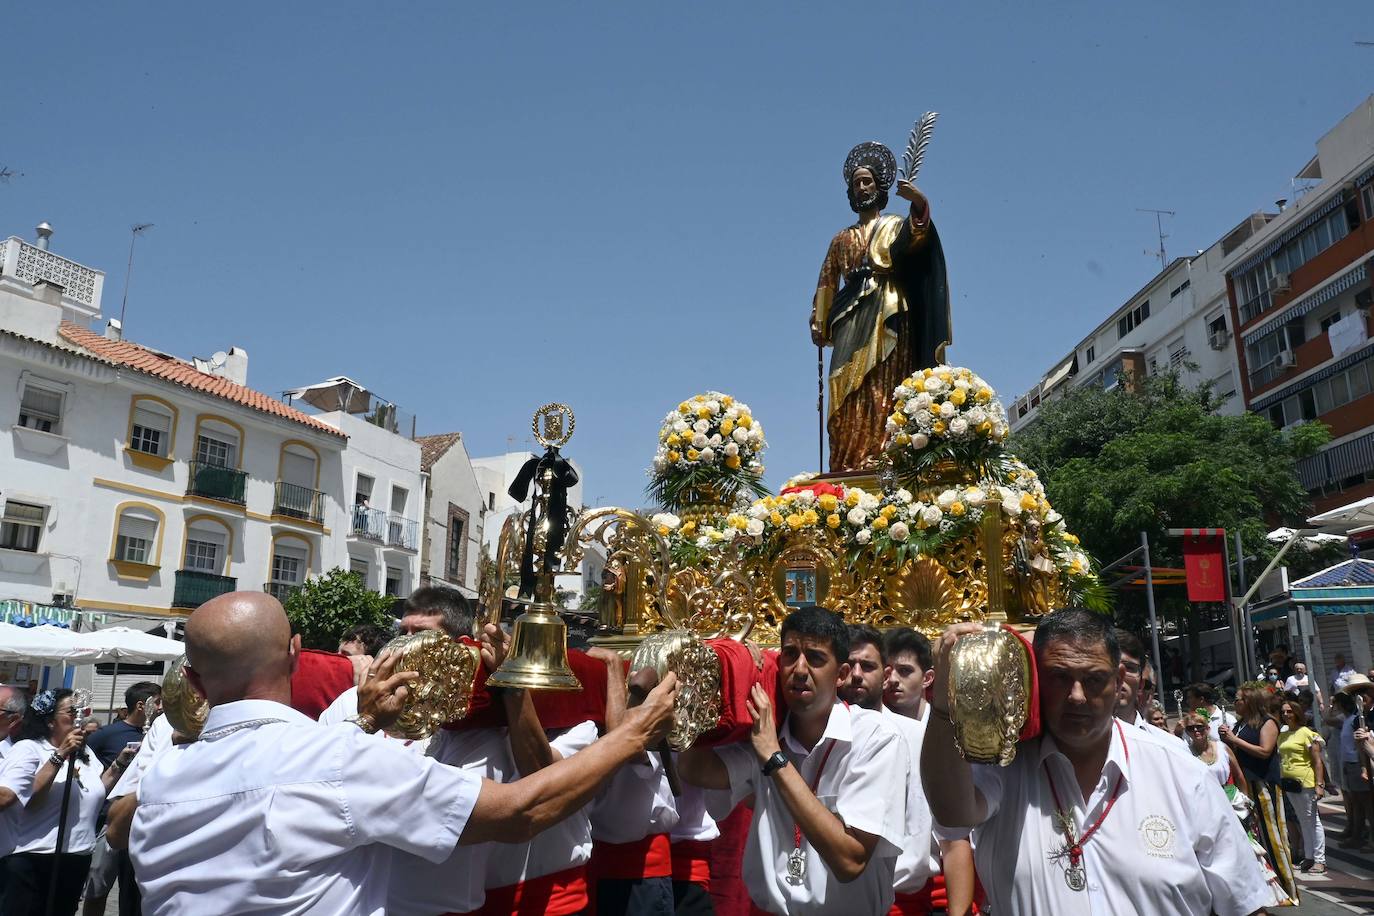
(796, 867)
(1076, 876)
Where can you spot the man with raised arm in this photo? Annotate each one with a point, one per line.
(1089, 818)
(829, 793)
(272, 813)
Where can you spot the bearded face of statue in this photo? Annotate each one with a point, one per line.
(865, 193)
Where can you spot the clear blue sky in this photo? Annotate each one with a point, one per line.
(477, 208)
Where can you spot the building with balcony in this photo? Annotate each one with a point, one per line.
(380, 477)
(454, 514)
(1299, 293)
(134, 482)
(1179, 320)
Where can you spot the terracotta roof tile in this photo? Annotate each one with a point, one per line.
(180, 372)
(432, 448)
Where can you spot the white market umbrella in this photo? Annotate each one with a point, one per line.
(44, 644)
(123, 644)
(134, 646)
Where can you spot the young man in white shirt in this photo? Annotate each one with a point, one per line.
(271, 812)
(829, 809)
(1089, 818)
(1135, 670)
(951, 884)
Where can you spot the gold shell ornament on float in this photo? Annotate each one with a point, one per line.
(697, 708)
(447, 668)
(184, 708)
(989, 691)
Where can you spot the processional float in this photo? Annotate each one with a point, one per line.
(938, 524)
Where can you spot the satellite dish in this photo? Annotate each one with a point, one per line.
(219, 359)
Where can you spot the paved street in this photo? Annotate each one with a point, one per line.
(1348, 885)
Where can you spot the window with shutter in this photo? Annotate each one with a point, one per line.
(21, 527)
(40, 409)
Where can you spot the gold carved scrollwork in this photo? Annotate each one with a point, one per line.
(507, 565)
(637, 556)
(714, 601)
(697, 708)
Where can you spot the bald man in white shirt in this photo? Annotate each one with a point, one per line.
(270, 812)
(1089, 818)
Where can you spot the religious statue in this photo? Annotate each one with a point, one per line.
(882, 303)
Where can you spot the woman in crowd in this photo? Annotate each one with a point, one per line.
(1255, 742)
(1158, 717)
(1220, 760)
(1342, 706)
(1303, 778)
(32, 782)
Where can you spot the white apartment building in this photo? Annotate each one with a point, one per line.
(379, 531)
(454, 514)
(136, 483)
(494, 476)
(1180, 319)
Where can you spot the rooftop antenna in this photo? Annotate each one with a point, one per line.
(1159, 227)
(134, 231)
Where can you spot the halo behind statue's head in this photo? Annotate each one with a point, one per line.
(875, 157)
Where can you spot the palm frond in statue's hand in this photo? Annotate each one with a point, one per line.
(916, 144)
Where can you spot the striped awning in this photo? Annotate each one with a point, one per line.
(1337, 463)
(1307, 381)
(1365, 177)
(1289, 234)
(1308, 302)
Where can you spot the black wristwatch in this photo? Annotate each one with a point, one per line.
(775, 763)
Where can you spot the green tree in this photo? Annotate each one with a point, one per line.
(327, 606)
(1119, 462)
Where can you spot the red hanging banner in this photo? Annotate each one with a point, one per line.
(1205, 564)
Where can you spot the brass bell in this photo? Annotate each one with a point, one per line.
(538, 658)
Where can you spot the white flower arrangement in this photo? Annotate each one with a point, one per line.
(944, 406)
(711, 444)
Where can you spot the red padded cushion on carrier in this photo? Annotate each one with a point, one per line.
(1032, 727)
(556, 708)
(739, 672)
(319, 680)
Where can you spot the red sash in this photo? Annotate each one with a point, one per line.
(692, 862)
(651, 857)
(562, 893)
(933, 897)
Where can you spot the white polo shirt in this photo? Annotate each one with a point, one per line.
(272, 813)
(156, 740)
(634, 803)
(345, 706)
(920, 857)
(1171, 743)
(863, 782)
(693, 823)
(565, 845)
(1171, 843)
(34, 821)
(8, 815)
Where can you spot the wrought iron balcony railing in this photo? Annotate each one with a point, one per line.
(194, 588)
(295, 501)
(401, 532)
(217, 482)
(369, 523)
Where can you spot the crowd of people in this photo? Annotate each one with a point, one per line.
(846, 794)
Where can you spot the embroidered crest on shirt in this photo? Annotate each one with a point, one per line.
(1159, 836)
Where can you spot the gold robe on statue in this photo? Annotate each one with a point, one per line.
(891, 317)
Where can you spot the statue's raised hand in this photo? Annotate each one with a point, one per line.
(908, 191)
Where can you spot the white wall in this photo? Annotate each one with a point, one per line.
(453, 482)
(390, 460)
(86, 475)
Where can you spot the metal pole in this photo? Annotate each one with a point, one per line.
(1150, 603)
(1239, 641)
(820, 408)
(51, 906)
(113, 680)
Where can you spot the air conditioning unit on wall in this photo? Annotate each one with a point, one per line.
(1286, 359)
